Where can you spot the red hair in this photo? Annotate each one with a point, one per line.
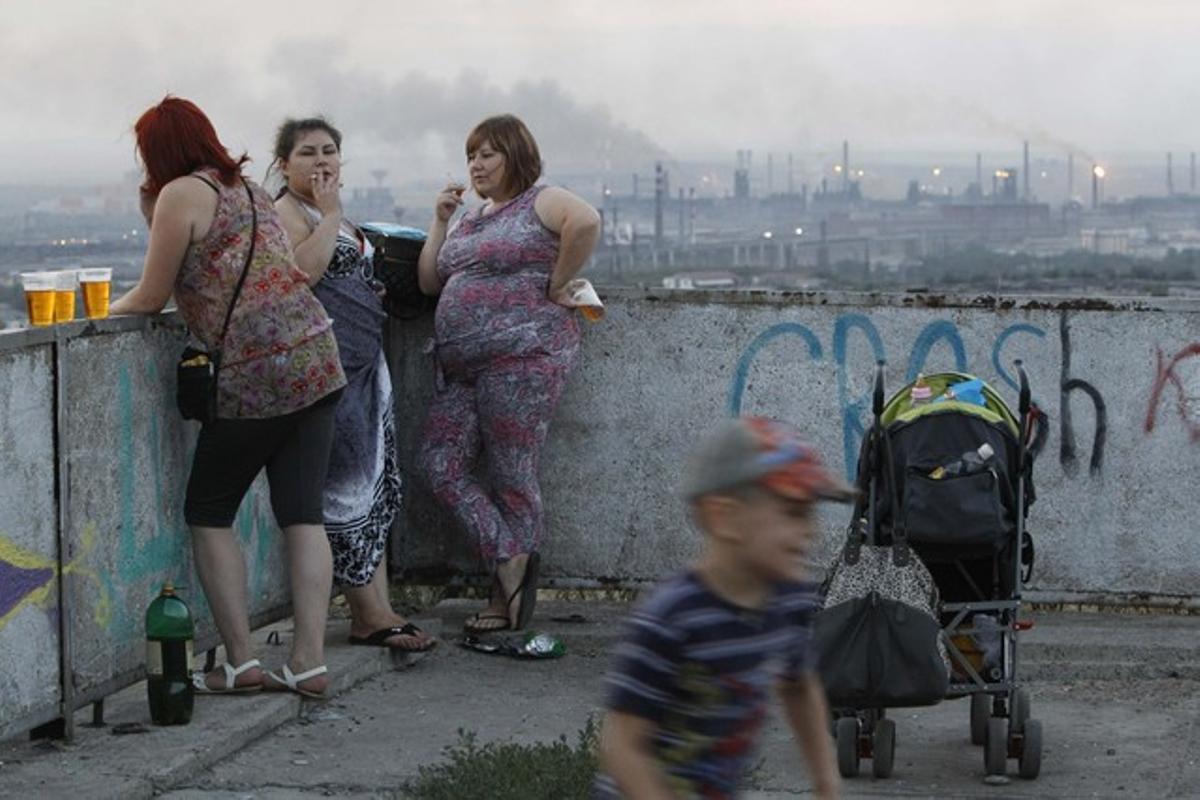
(175, 138)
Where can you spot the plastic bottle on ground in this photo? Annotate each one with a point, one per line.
(169, 632)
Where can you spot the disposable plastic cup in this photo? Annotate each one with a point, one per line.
(39, 297)
(96, 287)
(586, 299)
(64, 295)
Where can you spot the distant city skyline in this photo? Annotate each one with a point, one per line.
(616, 83)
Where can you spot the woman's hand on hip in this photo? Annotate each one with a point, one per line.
(448, 201)
(564, 296)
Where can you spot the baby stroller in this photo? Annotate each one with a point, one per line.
(931, 491)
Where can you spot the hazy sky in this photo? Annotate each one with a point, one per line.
(618, 80)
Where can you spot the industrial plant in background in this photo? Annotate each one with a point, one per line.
(944, 229)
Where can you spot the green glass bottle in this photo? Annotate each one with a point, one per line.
(169, 633)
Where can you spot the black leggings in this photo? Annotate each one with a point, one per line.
(230, 453)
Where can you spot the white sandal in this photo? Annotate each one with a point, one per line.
(291, 682)
(200, 686)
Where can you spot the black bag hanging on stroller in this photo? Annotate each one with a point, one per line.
(878, 636)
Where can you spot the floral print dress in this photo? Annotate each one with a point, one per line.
(503, 351)
(279, 354)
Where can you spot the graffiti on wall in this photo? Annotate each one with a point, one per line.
(1066, 433)
(27, 579)
(154, 543)
(1167, 372)
(854, 406)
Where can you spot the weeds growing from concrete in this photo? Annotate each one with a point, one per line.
(508, 771)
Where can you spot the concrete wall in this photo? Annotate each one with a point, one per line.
(29, 640)
(1116, 479)
(126, 454)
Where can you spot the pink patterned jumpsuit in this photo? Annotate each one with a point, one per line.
(503, 352)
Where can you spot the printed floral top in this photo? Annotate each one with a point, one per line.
(493, 309)
(279, 354)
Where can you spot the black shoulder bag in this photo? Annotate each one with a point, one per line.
(395, 266)
(196, 373)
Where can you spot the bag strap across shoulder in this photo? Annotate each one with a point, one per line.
(245, 270)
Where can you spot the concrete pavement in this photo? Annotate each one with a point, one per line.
(1118, 695)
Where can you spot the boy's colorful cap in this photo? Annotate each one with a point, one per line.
(757, 450)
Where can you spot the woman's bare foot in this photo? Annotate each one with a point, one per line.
(374, 622)
(494, 617)
(504, 608)
(394, 632)
(314, 685)
(249, 678)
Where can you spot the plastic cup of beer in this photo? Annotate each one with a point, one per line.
(586, 299)
(64, 295)
(96, 287)
(39, 297)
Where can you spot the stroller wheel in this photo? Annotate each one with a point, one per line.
(884, 749)
(1020, 711)
(995, 747)
(981, 709)
(847, 746)
(1030, 760)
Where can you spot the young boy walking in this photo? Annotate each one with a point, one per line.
(688, 693)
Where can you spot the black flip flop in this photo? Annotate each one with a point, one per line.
(379, 638)
(527, 589)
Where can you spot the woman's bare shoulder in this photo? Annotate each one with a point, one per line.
(188, 188)
(293, 219)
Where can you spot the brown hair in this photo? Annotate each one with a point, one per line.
(510, 137)
(289, 132)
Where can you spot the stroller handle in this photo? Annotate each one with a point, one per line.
(877, 394)
(1024, 398)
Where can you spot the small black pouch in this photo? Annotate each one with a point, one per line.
(196, 394)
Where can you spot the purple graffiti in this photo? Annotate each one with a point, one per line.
(17, 583)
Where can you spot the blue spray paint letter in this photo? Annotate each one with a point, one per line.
(738, 389)
(932, 333)
(998, 350)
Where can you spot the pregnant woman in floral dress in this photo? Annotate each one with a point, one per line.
(506, 340)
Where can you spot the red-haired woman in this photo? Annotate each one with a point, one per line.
(506, 338)
(277, 387)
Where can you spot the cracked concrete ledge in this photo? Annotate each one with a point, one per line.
(101, 765)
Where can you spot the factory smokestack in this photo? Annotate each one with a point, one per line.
(1070, 176)
(845, 168)
(979, 172)
(1025, 189)
(1192, 175)
(1170, 176)
(660, 184)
